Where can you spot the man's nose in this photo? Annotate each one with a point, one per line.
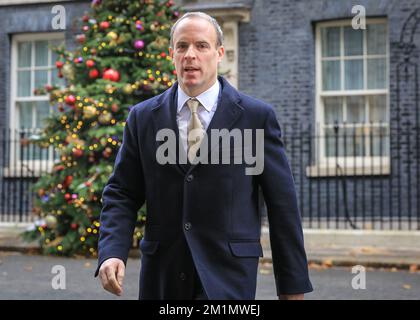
(190, 54)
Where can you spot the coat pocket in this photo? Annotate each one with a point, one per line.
(246, 249)
(148, 247)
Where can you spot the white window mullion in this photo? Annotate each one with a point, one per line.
(342, 57)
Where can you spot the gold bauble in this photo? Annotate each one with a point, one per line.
(89, 112)
(105, 118)
(128, 89)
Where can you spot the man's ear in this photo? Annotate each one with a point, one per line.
(171, 53)
(221, 53)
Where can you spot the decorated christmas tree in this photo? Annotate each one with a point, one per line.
(121, 59)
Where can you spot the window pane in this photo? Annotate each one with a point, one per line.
(41, 53)
(353, 41)
(353, 71)
(333, 110)
(355, 110)
(330, 42)
(334, 142)
(376, 70)
(331, 75)
(353, 143)
(24, 83)
(41, 78)
(42, 112)
(25, 114)
(380, 142)
(376, 38)
(24, 54)
(377, 109)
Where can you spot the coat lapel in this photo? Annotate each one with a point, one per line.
(165, 118)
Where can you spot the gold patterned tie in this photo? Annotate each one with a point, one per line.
(195, 129)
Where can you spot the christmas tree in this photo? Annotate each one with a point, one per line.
(121, 59)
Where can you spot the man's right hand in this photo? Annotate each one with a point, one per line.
(111, 274)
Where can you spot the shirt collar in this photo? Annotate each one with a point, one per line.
(208, 98)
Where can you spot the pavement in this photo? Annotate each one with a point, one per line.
(26, 276)
(391, 260)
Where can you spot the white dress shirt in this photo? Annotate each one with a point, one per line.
(206, 110)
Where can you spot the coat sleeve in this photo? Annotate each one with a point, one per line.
(286, 236)
(122, 197)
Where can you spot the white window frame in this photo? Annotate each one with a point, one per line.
(352, 165)
(32, 167)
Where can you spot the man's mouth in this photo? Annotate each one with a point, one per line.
(190, 69)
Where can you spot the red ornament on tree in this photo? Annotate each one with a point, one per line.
(112, 75)
(115, 107)
(93, 73)
(70, 100)
(67, 181)
(67, 196)
(59, 64)
(81, 38)
(77, 153)
(90, 63)
(104, 25)
(74, 226)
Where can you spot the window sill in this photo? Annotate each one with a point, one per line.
(318, 171)
(25, 172)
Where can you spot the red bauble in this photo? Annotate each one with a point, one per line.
(60, 75)
(59, 64)
(70, 100)
(85, 18)
(67, 181)
(77, 153)
(174, 72)
(74, 226)
(115, 107)
(88, 184)
(94, 73)
(104, 25)
(112, 75)
(67, 196)
(163, 54)
(81, 38)
(90, 63)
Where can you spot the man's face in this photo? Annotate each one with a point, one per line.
(195, 55)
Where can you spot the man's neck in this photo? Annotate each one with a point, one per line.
(195, 93)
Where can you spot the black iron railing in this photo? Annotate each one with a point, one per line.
(358, 177)
(346, 176)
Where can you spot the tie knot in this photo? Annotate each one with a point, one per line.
(193, 105)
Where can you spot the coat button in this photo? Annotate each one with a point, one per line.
(187, 226)
(182, 276)
(190, 178)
